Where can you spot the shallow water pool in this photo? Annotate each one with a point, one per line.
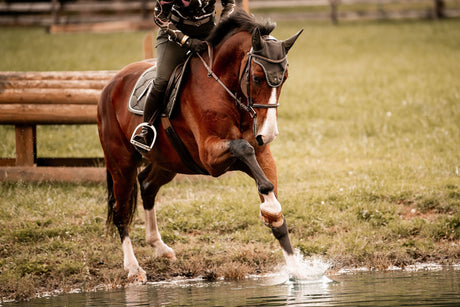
(439, 287)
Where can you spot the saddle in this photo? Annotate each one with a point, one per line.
(144, 85)
(139, 96)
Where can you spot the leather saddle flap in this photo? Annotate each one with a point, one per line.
(145, 83)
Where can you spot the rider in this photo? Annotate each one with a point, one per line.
(184, 24)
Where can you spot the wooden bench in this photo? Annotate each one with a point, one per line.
(28, 99)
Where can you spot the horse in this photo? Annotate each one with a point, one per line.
(226, 120)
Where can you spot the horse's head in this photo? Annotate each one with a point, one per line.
(263, 74)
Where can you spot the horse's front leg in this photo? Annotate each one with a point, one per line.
(151, 179)
(153, 237)
(270, 210)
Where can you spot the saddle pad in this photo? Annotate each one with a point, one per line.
(142, 90)
(144, 84)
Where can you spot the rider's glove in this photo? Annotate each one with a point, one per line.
(196, 45)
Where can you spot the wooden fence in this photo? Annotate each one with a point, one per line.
(337, 10)
(28, 99)
(73, 12)
(132, 15)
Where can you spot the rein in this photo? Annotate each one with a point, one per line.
(247, 71)
(248, 108)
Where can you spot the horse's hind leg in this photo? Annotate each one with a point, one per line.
(151, 179)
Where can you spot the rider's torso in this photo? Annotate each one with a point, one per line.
(193, 9)
(195, 18)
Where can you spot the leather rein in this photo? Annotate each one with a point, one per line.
(250, 106)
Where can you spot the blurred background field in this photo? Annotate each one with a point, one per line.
(58, 13)
(368, 158)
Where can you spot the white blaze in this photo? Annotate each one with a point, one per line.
(269, 129)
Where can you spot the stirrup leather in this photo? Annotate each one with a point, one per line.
(140, 145)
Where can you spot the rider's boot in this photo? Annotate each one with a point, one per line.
(152, 109)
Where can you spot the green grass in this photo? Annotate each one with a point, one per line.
(368, 159)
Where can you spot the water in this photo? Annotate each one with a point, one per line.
(440, 287)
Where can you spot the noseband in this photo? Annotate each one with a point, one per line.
(250, 106)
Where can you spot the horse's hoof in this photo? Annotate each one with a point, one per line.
(166, 252)
(272, 220)
(138, 278)
(171, 255)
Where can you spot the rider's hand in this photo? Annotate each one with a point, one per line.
(196, 45)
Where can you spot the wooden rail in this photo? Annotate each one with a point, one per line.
(121, 15)
(67, 12)
(28, 99)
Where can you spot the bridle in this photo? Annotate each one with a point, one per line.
(246, 74)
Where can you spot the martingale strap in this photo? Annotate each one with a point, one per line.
(238, 102)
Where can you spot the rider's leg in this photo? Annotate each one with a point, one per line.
(152, 109)
(169, 55)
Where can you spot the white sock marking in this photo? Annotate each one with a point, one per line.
(153, 237)
(271, 204)
(130, 262)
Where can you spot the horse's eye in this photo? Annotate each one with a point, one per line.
(257, 80)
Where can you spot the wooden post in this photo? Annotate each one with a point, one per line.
(334, 16)
(439, 6)
(26, 145)
(55, 11)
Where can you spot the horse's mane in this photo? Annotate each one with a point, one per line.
(241, 21)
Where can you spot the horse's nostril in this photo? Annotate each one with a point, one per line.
(260, 140)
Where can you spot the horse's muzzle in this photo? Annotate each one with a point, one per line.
(265, 139)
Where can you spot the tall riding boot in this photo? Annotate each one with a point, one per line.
(152, 109)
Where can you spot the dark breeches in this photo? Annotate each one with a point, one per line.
(169, 55)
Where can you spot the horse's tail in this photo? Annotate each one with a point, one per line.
(132, 203)
(110, 201)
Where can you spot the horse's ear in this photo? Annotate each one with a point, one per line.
(290, 41)
(257, 43)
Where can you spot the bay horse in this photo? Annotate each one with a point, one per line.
(226, 123)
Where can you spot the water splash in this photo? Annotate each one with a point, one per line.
(300, 270)
(305, 269)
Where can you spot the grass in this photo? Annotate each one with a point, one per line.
(368, 162)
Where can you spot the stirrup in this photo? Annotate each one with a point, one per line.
(140, 145)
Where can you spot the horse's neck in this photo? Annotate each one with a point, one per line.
(228, 57)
